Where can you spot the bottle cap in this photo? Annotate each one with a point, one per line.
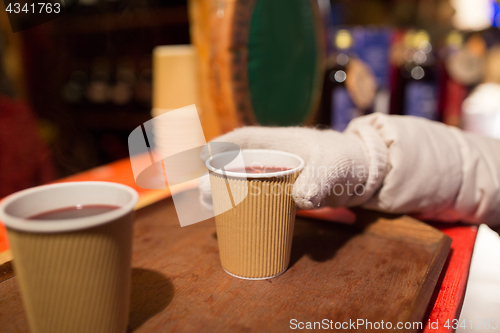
(421, 41)
(343, 39)
(455, 39)
(408, 38)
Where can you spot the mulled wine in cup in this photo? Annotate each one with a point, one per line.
(255, 234)
(72, 248)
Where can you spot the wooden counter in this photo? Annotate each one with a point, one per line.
(383, 269)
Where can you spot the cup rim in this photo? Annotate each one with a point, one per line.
(65, 225)
(257, 175)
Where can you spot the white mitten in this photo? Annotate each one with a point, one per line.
(338, 171)
(395, 164)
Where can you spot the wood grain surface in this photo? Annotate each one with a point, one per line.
(200, 30)
(229, 87)
(379, 268)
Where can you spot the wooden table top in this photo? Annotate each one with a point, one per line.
(383, 269)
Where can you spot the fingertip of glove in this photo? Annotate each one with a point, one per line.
(304, 203)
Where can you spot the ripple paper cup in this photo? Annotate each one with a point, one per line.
(255, 235)
(74, 274)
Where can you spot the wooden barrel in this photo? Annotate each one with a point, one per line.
(267, 61)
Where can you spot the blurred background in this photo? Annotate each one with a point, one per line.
(87, 75)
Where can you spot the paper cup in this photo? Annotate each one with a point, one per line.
(255, 236)
(74, 274)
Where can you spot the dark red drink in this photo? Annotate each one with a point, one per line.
(259, 170)
(73, 212)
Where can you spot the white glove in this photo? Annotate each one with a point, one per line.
(404, 165)
(337, 165)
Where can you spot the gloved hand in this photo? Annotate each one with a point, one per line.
(337, 170)
(393, 164)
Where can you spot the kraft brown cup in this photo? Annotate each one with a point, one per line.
(255, 235)
(74, 274)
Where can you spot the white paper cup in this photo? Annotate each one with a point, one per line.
(74, 274)
(255, 236)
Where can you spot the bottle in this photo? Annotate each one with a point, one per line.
(143, 89)
(122, 90)
(420, 83)
(372, 45)
(452, 91)
(397, 63)
(73, 91)
(98, 90)
(337, 104)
